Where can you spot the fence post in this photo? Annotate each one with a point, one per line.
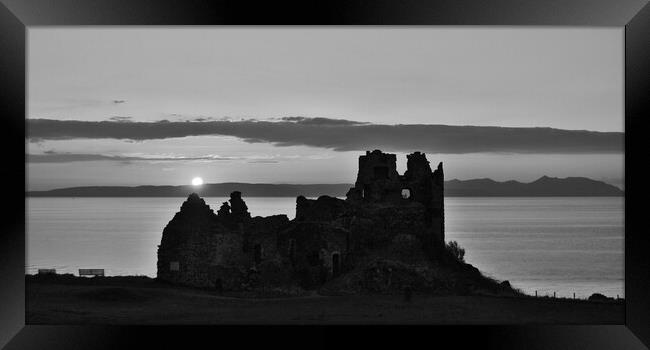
(574, 295)
(553, 294)
(535, 294)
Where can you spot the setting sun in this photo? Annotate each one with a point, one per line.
(197, 181)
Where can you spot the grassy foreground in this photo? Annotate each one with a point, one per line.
(142, 300)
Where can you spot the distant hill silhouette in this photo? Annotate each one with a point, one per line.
(205, 190)
(542, 187)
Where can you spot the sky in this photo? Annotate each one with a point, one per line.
(148, 105)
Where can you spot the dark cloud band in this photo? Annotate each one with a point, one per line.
(53, 157)
(342, 135)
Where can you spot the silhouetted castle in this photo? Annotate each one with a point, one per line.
(382, 236)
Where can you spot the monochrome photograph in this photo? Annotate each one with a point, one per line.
(324, 175)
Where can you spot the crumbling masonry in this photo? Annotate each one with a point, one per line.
(385, 214)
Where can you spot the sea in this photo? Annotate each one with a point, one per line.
(543, 245)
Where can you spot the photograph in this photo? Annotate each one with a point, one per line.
(325, 175)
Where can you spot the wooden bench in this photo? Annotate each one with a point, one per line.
(91, 272)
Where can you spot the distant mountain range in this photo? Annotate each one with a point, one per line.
(543, 187)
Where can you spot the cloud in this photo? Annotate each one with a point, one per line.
(264, 161)
(65, 157)
(320, 121)
(343, 135)
(117, 118)
(55, 157)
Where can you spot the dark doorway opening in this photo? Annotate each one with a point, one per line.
(336, 264)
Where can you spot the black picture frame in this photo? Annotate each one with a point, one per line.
(16, 15)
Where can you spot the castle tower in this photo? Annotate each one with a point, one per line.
(379, 182)
(377, 179)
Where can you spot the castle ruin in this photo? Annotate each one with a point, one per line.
(398, 218)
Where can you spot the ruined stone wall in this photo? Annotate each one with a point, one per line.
(308, 248)
(377, 178)
(417, 178)
(427, 187)
(438, 207)
(419, 183)
(325, 208)
(263, 234)
(187, 245)
(375, 227)
(193, 258)
(364, 227)
(233, 251)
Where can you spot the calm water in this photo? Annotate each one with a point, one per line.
(564, 245)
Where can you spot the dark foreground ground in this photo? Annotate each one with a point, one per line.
(141, 300)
